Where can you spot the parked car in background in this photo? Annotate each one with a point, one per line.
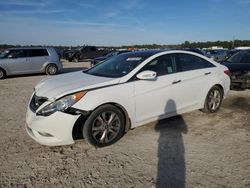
(67, 54)
(239, 65)
(16, 61)
(231, 52)
(124, 92)
(196, 50)
(87, 52)
(97, 60)
(217, 55)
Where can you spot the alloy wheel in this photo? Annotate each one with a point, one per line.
(52, 70)
(214, 99)
(106, 127)
(1, 74)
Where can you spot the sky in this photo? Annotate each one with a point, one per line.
(122, 22)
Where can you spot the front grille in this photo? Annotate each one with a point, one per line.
(36, 102)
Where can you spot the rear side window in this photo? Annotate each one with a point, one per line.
(162, 65)
(188, 62)
(38, 52)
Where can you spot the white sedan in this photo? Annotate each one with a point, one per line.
(129, 90)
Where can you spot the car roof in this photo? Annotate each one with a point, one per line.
(148, 53)
(142, 53)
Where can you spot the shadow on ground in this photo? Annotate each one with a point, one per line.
(240, 103)
(171, 161)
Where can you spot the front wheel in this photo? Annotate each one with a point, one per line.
(2, 74)
(104, 126)
(213, 100)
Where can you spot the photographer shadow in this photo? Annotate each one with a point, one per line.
(171, 170)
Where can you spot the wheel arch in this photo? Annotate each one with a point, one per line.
(126, 116)
(78, 126)
(5, 71)
(221, 87)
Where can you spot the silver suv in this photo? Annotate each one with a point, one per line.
(16, 61)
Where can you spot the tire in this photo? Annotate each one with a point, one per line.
(75, 60)
(2, 74)
(213, 100)
(98, 131)
(51, 69)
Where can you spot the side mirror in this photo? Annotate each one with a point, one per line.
(147, 75)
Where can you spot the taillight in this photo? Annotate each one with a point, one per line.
(227, 72)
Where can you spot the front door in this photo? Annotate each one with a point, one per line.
(18, 62)
(154, 98)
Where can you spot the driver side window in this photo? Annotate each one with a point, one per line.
(162, 65)
(17, 54)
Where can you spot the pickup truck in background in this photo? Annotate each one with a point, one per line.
(84, 53)
(97, 60)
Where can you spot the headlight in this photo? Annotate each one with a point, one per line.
(61, 104)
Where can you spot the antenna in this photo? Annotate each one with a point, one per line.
(233, 42)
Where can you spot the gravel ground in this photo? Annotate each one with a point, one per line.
(192, 150)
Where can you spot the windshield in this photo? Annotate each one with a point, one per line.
(236, 58)
(111, 54)
(213, 52)
(116, 66)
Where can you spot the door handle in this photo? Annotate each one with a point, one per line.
(176, 81)
(207, 73)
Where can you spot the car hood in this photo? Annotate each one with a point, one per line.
(58, 86)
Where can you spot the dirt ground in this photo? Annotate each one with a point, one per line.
(192, 150)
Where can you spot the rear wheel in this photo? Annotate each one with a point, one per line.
(51, 69)
(213, 100)
(2, 74)
(104, 126)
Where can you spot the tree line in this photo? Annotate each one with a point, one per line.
(186, 44)
(225, 44)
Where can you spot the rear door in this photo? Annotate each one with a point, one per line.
(196, 77)
(17, 62)
(38, 58)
